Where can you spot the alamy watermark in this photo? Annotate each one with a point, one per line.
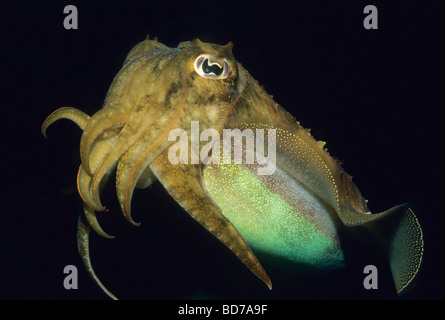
(70, 21)
(370, 21)
(70, 281)
(248, 147)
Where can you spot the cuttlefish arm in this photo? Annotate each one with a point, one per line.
(184, 183)
(78, 117)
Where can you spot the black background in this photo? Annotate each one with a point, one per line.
(373, 95)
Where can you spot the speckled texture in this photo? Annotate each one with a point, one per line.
(268, 222)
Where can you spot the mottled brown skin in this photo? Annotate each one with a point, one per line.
(157, 90)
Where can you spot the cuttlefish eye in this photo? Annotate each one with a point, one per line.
(208, 66)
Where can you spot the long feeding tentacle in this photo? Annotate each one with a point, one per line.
(83, 235)
(78, 117)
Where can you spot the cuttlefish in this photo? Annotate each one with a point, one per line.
(165, 118)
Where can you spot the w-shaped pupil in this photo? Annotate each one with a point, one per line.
(213, 68)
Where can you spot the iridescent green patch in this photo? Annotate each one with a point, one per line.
(266, 221)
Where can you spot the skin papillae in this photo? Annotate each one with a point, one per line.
(159, 89)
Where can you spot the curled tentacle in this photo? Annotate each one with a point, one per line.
(78, 117)
(108, 162)
(130, 133)
(92, 220)
(98, 153)
(83, 185)
(101, 123)
(136, 160)
(149, 114)
(122, 178)
(133, 164)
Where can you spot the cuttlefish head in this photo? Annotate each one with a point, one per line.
(157, 90)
